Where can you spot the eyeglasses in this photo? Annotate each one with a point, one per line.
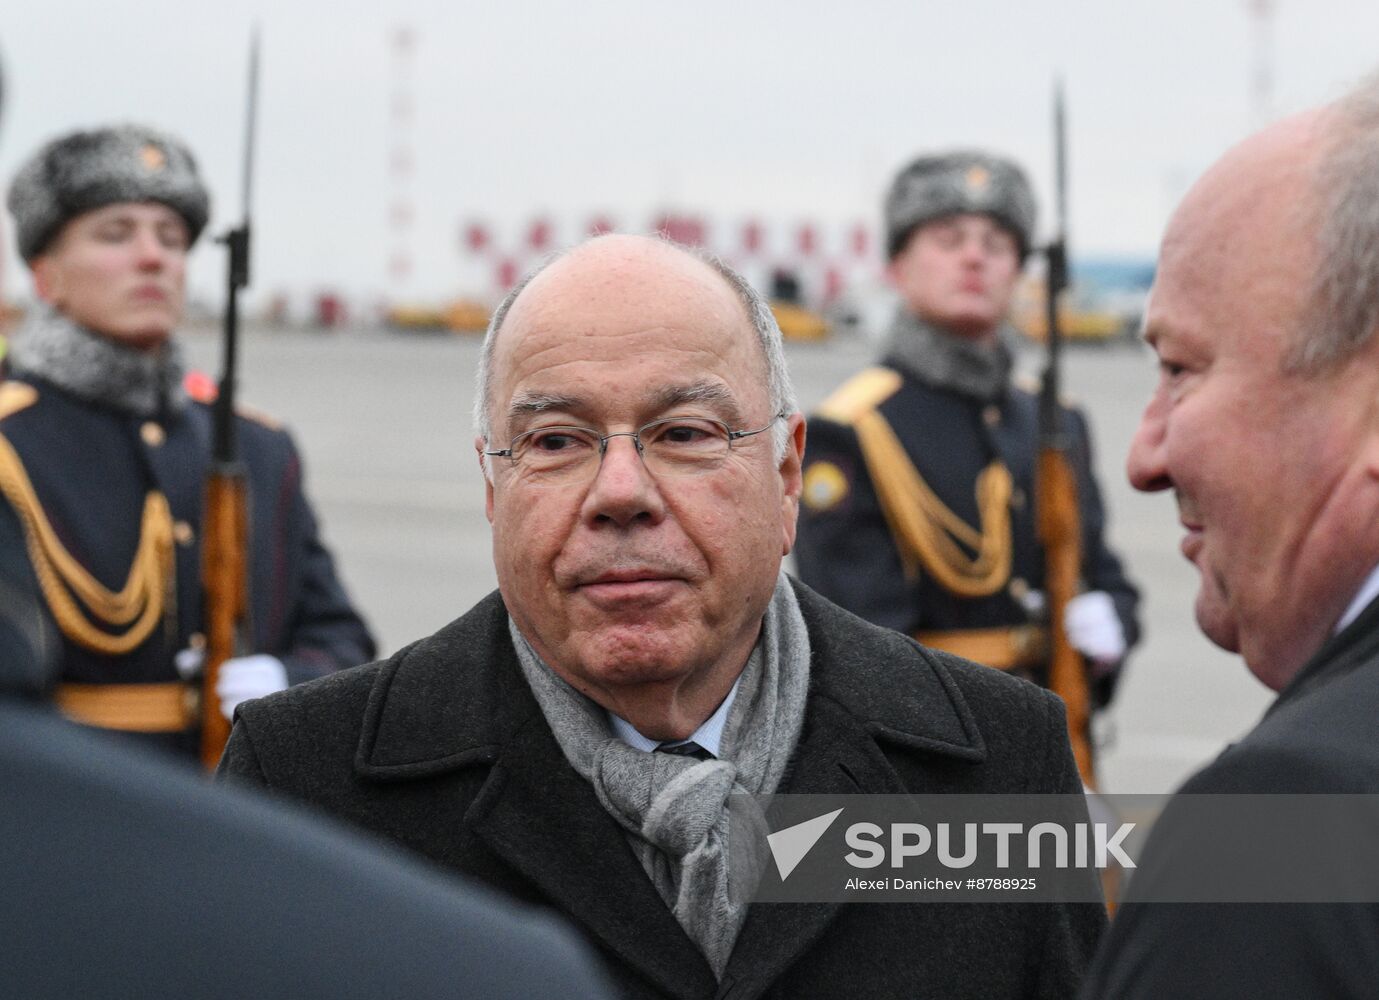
(672, 446)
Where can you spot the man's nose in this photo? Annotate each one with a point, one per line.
(623, 491)
(1146, 465)
(149, 249)
(972, 251)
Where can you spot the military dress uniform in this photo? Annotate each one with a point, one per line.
(918, 504)
(918, 514)
(103, 467)
(109, 507)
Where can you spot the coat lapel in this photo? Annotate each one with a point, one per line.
(905, 699)
(835, 756)
(541, 817)
(458, 699)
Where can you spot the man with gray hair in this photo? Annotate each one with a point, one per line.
(1265, 425)
(574, 739)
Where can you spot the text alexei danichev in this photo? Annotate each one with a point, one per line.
(904, 884)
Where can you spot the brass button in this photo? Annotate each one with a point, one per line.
(1017, 499)
(1018, 588)
(197, 640)
(182, 532)
(152, 434)
(991, 414)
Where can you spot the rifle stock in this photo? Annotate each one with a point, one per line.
(224, 579)
(1060, 534)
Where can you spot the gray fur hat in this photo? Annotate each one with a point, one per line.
(81, 171)
(965, 181)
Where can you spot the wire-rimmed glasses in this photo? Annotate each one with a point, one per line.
(670, 446)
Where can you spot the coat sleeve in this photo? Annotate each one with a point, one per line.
(1101, 567)
(844, 549)
(322, 631)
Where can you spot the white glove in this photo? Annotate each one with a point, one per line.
(1094, 627)
(247, 677)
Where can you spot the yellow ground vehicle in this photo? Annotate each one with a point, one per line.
(798, 323)
(1104, 303)
(461, 316)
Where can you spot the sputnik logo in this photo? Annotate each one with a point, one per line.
(789, 846)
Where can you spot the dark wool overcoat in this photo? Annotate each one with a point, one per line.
(443, 748)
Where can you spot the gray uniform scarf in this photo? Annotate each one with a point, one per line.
(948, 361)
(674, 808)
(50, 346)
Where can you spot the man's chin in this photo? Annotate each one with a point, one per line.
(1217, 623)
(634, 654)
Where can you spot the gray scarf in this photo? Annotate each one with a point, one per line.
(948, 361)
(675, 809)
(97, 369)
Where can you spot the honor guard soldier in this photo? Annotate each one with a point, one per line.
(918, 504)
(104, 457)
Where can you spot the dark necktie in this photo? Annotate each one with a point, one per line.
(687, 749)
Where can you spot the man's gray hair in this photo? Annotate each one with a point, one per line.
(778, 385)
(1343, 308)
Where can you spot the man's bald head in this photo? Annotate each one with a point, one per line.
(1310, 186)
(622, 265)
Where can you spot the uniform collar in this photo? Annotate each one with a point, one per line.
(51, 347)
(948, 361)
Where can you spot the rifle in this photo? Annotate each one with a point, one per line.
(1059, 517)
(225, 529)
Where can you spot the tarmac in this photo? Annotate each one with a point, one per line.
(383, 420)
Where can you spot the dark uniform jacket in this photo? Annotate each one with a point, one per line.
(91, 469)
(847, 549)
(1320, 736)
(444, 748)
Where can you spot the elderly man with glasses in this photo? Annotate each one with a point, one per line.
(574, 738)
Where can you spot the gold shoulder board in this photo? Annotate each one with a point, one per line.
(863, 392)
(16, 396)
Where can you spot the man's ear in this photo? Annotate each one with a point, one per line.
(47, 285)
(487, 472)
(792, 479)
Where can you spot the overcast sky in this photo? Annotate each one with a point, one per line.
(782, 110)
